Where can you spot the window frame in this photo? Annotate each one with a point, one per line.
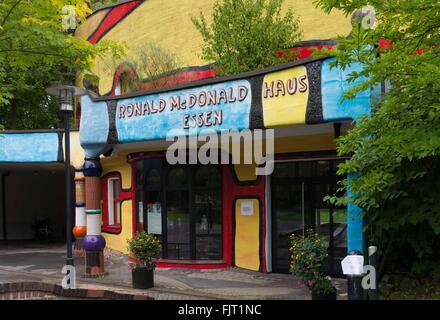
(106, 182)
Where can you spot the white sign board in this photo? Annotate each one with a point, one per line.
(154, 216)
(141, 212)
(353, 265)
(247, 208)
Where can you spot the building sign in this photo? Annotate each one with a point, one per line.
(223, 106)
(285, 94)
(297, 93)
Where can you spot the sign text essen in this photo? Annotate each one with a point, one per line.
(183, 103)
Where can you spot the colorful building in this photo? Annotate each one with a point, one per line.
(206, 215)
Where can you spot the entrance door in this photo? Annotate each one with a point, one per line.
(182, 205)
(298, 190)
(288, 214)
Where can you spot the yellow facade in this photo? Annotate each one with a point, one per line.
(119, 241)
(285, 94)
(76, 151)
(168, 24)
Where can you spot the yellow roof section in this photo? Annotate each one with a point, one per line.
(168, 24)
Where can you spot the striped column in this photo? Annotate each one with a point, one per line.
(94, 242)
(80, 229)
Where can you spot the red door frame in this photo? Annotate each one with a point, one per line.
(233, 190)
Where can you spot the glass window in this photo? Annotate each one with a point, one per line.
(208, 213)
(306, 168)
(285, 170)
(190, 198)
(153, 179)
(113, 212)
(178, 225)
(298, 203)
(207, 176)
(323, 168)
(177, 177)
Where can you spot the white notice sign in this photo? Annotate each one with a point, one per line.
(247, 208)
(141, 212)
(353, 265)
(154, 216)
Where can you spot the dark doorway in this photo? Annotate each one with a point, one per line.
(32, 203)
(298, 190)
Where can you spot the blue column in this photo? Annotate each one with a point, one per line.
(355, 223)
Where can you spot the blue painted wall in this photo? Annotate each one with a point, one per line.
(94, 126)
(29, 147)
(334, 84)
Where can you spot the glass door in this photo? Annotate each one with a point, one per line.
(298, 192)
(182, 206)
(288, 214)
(178, 215)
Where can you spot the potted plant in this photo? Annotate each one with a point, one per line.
(307, 254)
(144, 249)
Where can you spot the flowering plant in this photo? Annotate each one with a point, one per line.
(144, 248)
(307, 254)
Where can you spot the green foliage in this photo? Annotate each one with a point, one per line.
(35, 48)
(96, 4)
(307, 255)
(401, 287)
(396, 151)
(246, 34)
(31, 107)
(144, 248)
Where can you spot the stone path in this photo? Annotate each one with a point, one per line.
(44, 263)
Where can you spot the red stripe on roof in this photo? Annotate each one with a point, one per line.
(115, 15)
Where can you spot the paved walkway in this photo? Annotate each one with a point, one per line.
(42, 262)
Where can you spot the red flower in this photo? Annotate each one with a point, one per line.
(385, 44)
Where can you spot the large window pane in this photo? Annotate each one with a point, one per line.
(208, 213)
(177, 178)
(153, 179)
(209, 248)
(178, 224)
(289, 219)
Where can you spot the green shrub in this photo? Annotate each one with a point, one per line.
(307, 255)
(144, 248)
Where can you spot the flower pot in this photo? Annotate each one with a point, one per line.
(324, 296)
(142, 278)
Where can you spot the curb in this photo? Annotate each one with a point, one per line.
(30, 289)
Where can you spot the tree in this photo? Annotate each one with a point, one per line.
(396, 151)
(246, 34)
(37, 49)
